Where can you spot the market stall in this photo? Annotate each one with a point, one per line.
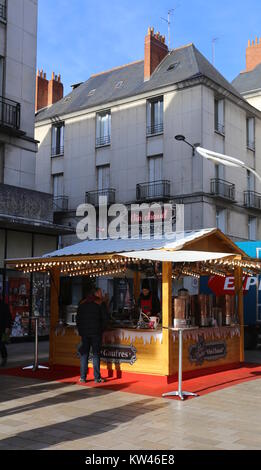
(214, 334)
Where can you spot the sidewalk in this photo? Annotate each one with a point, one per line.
(37, 414)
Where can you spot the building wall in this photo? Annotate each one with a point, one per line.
(189, 112)
(18, 42)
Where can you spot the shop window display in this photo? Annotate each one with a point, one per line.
(18, 298)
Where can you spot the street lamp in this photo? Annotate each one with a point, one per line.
(218, 157)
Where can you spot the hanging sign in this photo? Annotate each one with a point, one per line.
(207, 351)
(226, 285)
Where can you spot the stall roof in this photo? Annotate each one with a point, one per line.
(176, 256)
(176, 241)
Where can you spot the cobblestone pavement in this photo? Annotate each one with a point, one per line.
(49, 415)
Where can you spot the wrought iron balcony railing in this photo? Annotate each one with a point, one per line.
(252, 200)
(155, 129)
(93, 197)
(102, 141)
(57, 151)
(9, 113)
(60, 203)
(223, 189)
(154, 190)
(2, 11)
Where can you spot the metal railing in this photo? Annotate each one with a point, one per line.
(92, 197)
(60, 203)
(155, 129)
(251, 145)
(252, 199)
(2, 11)
(9, 113)
(154, 190)
(57, 151)
(220, 128)
(222, 188)
(102, 141)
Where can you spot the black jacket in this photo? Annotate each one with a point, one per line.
(90, 319)
(5, 318)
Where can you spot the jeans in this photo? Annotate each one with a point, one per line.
(84, 350)
(3, 349)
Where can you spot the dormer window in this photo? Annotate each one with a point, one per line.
(119, 84)
(91, 92)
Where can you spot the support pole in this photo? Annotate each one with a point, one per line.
(136, 285)
(238, 273)
(166, 314)
(54, 310)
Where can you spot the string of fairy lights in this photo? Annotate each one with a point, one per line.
(118, 264)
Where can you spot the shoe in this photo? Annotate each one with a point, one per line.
(83, 381)
(3, 363)
(99, 381)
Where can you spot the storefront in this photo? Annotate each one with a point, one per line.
(213, 327)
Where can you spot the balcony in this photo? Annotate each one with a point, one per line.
(103, 141)
(223, 189)
(154, 190)
(252, 200)
(2, 12)
(9, 113)
(92, 197)
(155, 129)
(57, 151)
(60, 204)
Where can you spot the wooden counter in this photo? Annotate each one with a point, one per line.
(141, 351)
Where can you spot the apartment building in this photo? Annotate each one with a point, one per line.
(114, 135)
(26, 214)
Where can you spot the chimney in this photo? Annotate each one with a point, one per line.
(253, 54)
(41, 92)
(55, 89)
(154, 52)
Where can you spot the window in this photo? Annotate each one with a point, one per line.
(2, 10)
(155, 116)
(103, 128)
(221, 219)
(220, 116)
(251, 133)
(250, 181)
(252, 228)
(58, 187)
(155, 168)
(103, 177)
(220, 172)
(58, 139)
(1, 76)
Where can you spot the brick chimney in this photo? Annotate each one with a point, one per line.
(253, 54)
(41, 92)
(55, 89)
(47, 92)
(154, 52)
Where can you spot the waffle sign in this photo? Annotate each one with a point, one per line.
(117, 354)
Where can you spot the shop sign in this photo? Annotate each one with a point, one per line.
(226, 285)
(207, 351)
(118, 353)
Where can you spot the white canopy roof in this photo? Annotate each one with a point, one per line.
(91, 247)
(176, 256)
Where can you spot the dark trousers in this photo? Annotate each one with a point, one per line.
(87, 343)
(3, 350)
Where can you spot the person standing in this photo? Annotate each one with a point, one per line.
(90, 321)
(148, 302)
(5, 329)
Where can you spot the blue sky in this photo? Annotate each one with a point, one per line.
(80, 37)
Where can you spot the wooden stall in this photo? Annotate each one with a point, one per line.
(150, 351)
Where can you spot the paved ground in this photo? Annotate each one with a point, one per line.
(48, 415)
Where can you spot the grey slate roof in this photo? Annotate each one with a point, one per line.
(189, 63)
(248, 81)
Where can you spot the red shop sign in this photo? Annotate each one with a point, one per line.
(226, 285)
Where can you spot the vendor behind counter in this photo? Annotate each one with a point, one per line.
(148, 301)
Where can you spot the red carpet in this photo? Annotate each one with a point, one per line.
(146, 385)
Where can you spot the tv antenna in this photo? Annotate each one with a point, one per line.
(170, 13)
(214, 40)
